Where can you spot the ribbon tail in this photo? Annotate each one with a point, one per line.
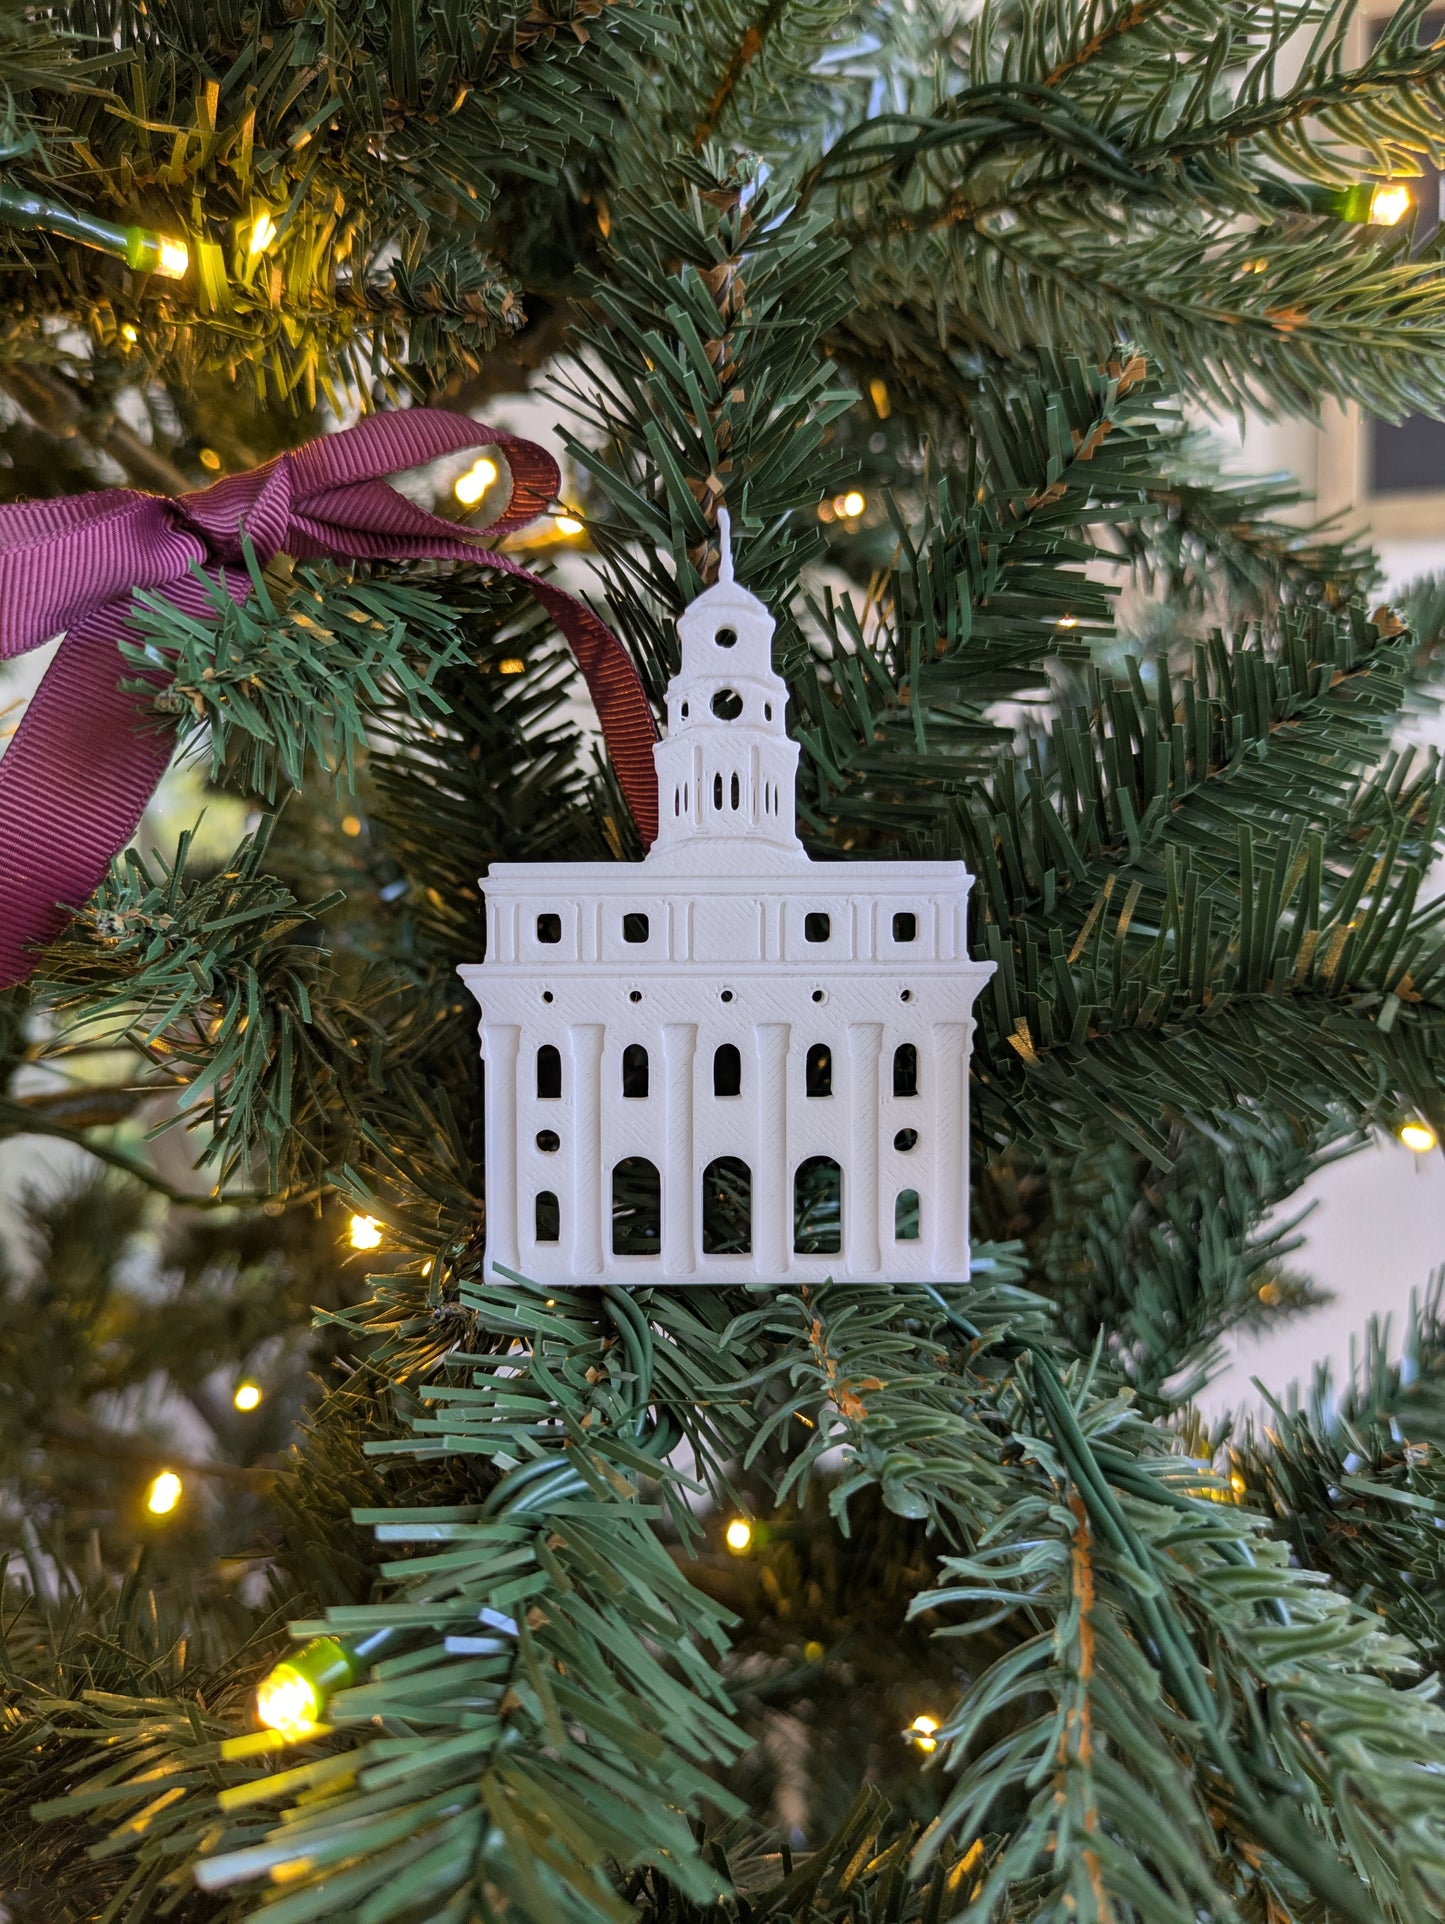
(616, 690)
(74, 783)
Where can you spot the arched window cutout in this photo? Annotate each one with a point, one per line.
(717, 791)
(906, 1216)
(819, 1070)
(818, 1208)
(549, 1070)
(636, 1208)
(727, 1070)
(905, 1070)
(737, 792)
(677, 801)
(548, 1217)
(634, 1070)
(727, 1207)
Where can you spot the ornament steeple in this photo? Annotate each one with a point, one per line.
(726, 768)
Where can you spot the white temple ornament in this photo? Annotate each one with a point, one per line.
(727, 1062)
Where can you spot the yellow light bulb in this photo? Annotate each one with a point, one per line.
(164, 1493)
(263, 232)
(1389, 204)
(568, 524)
(1067, 621)
(175, 260)
(850, 505)
(210, 460)
(511, 666)
(287, 1701)
(471, 486)
(921, 1730)
(739, 1535)
(130, 334)
(248, 1396)
(351, 824)
(1418, 1136)
(878, 395)
(365, 1232)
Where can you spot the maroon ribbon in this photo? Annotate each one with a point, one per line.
(87, 756)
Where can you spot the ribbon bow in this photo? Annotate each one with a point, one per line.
(86, 757)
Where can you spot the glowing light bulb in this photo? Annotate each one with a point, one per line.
(511, 666)
(878, 395)
(210, 460)
(130, 334)
(365, 1232)
(164, 1493)
(287, 1701)
(263, 232)
(850, 505)
(175, 259)
(1067, 621)
(471, 486)
(567, 524)
(739, 1535)
(1389, 204)
(248, 1396)
(1418, 1136)
(920, 1732)
(351, 824)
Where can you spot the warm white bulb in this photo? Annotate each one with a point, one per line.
(164, 1493)
(287, 1701)
(471, 486)
(248, 1396)
(1389, 204)
(1418, 1136)
(568, 524)
(263, 232)
(739, 1535)
(921, 1731)
(175, 259)
(365, 1232)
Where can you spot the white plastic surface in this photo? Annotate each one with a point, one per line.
(727, 937)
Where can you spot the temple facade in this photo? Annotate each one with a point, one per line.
(727, 1062)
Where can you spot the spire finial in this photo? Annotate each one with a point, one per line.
(725, 540)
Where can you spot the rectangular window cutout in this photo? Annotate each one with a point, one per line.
(635, 926)
(905, 926)
(548, 1217)
(549, 928)
(817, 926)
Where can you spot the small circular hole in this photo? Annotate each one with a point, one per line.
(726, 637)
(820, 995)
(726, 996)
(906, 1139)
(905, 995)
(634, 995)
(548, 1141)
(727, 704)
(546, 995)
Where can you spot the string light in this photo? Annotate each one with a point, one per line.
(471, 486)
(1389, 204)
(878, 395)
(850, 505)
(1418, 1136)
(164, 1493)
(263, 232)
(142, 250)
(351, 824)
(210, 460)
(248, 1396)
(567, 524)
(365, 1232)
(1067, 621)
(739, 1536)
(920, 1732)
(130, 334)
(288, 1701)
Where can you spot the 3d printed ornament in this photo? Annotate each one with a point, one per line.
(727, 1062)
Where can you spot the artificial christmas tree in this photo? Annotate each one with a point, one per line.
(889, 1601)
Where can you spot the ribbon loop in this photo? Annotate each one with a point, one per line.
(86, 757)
